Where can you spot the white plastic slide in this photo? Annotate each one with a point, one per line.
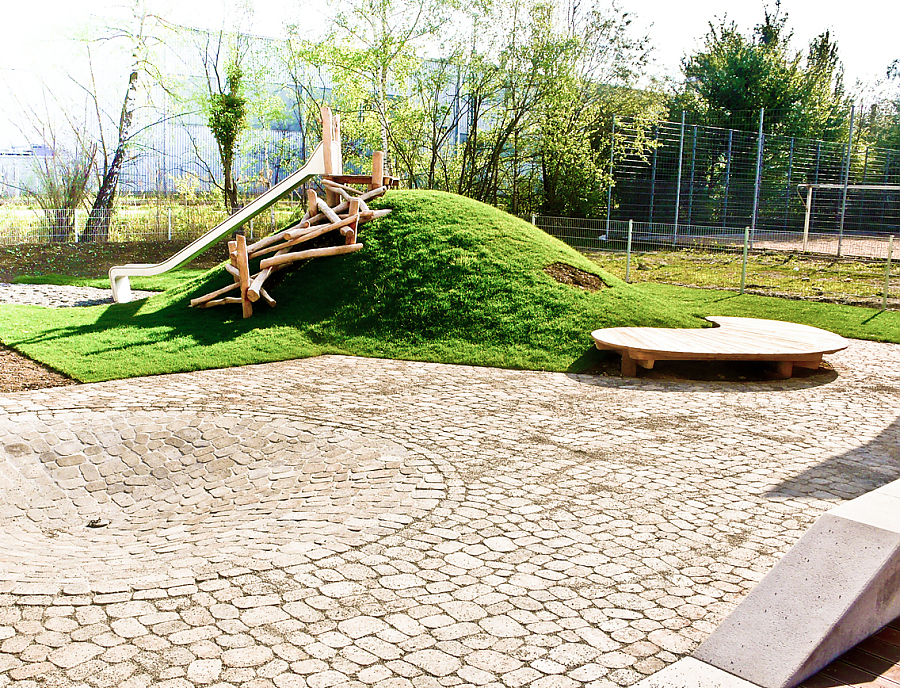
(119, 274)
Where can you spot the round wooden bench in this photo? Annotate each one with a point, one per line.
(735, 339)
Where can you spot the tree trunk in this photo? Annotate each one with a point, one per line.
(97, 227)
(229, 183)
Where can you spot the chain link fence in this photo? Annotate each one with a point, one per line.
(766, 261)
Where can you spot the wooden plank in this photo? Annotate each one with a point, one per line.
(889, 634)
(311, 253)
(875, 665)
(853, 676)
(875, 646)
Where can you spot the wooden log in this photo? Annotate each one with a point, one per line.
(311, 233)
(222, 302)
(310, 253)
(255, 290)
(377, 170)
(374, 193)
(265, 296)
(351, 229)
(233, 271)
(327, 211)
(373, 215)
(199, 301)
(312, 202)
(244, 272)
(342, 187)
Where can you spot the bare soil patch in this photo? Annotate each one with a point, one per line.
(567, 274)
(19, 373)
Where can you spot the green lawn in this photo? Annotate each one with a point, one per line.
(443, 278)
(164, 282)
(848, 321)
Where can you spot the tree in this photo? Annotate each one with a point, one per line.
(375, 42)
(142, 34)
(227, 118)
(733, 75)
(61, 177)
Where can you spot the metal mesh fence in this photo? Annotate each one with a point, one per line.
(777, 263)
(691, 174)
(131, 222)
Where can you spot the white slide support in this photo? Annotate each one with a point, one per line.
(119, 274)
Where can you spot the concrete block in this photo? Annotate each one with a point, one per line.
(692, 673)
(837, 586)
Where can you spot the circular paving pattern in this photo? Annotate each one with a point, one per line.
(112, 497)
(370, 523)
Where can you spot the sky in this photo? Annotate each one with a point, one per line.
(866, 31)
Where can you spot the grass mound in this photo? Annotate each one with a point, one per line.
(442, 278)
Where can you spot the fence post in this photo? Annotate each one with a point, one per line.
(169, 221)
(809, 200)
(612, 150)
(678, 189)
(534, 219)
(628, 252)
(727, 180)
(887, 273)
(744, 267)
(653, 171)
(272, 216)
(758, 182)
(846, 181)
(787, 194)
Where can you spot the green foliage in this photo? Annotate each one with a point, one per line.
(733, 75)
(227, 115)
(442, 278)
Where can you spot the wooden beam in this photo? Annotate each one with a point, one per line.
(310, 253)
(377, 170)
(327, 131)
(244, 272)
(352, 228)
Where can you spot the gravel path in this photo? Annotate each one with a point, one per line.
(363, 522)
(53, 296)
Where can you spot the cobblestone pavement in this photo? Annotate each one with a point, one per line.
(360, 522)
(54, 296)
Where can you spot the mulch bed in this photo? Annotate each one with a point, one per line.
(19, 373)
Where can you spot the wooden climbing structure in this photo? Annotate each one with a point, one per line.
(332, 223)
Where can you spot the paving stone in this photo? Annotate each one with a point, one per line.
(413, 525)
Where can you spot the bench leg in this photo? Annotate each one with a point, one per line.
(784, 369)
(629, 365)
(812, 363)
(645, 363)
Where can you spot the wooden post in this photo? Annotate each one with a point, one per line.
(244, 268)
(327, 131)
(351, 231)
(377, 170)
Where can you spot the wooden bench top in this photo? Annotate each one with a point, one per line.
(735, 339)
